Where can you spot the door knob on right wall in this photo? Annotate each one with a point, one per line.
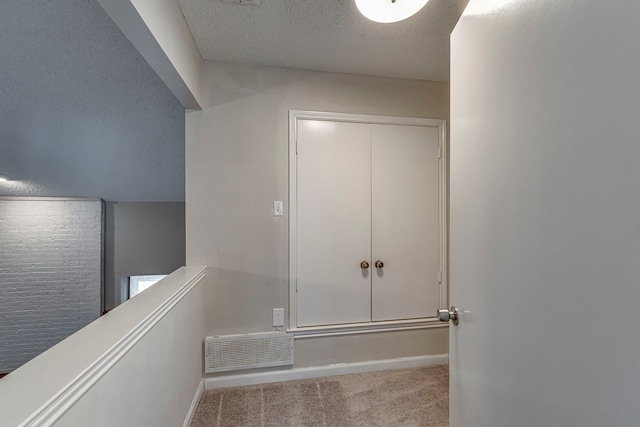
(379, 264)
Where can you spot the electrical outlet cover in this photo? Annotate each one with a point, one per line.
(278, 317)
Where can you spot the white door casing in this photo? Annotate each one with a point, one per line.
(413, 139)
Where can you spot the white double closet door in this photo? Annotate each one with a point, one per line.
(366, 192)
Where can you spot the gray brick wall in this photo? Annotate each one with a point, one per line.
(50, 274)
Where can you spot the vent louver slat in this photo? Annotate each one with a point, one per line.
(235, 352)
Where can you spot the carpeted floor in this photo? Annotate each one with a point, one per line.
(409, 397)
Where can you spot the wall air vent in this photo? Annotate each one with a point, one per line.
(235, 352)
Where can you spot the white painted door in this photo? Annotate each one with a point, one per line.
(405, 223)
(545, 214)
(334, 227)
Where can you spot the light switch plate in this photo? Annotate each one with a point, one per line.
(278, 209)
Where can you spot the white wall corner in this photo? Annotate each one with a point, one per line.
(157, 29)
(194, 404)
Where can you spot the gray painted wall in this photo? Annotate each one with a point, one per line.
(237, 165)
(83, 115)
(142, 238)
(50, 274)
(81, 112)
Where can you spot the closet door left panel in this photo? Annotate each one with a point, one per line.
(334, 222)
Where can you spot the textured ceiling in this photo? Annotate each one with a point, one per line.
(325, 35)
(81, 112)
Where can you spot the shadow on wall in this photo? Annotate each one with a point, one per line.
(141, 239)
(230, 82)
(82, 114)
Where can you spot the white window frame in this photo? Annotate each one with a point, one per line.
(143, 277)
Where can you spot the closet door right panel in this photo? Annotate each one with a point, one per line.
(405, 222)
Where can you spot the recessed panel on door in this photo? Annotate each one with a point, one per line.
(334, 222)
(405, 222)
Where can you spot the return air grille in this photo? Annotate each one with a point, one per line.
(234, 352)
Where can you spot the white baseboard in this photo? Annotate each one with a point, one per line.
(194, 405)
(238, 380)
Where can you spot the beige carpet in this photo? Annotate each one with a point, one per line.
(407, 397)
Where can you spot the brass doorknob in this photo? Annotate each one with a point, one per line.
(364, 265)
(379, 264)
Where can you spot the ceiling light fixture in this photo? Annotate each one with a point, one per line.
(4, 178)
(386, 11)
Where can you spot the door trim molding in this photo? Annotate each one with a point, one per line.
(294, 117)
(366, 328)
